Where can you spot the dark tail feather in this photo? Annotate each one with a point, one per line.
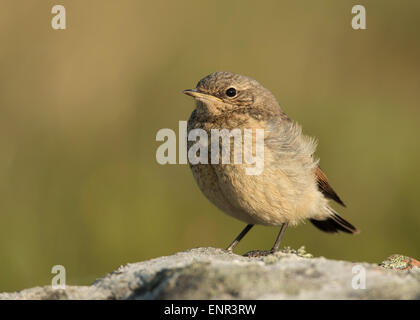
(334, 224)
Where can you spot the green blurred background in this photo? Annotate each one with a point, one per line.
(80, 108)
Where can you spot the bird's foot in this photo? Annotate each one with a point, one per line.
(258, 253)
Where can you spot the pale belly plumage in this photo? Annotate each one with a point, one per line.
(270, 198)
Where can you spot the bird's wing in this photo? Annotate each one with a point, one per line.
(325, 187)
(285, 138)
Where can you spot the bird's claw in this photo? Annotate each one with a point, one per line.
(258, 253)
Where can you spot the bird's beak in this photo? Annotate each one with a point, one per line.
(191, 92)
(199, 95)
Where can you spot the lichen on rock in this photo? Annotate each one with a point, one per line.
(399, 262)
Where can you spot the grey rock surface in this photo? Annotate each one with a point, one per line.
(209, 273)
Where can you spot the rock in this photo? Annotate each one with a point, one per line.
(209, 273)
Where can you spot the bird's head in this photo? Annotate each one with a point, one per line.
(224, 92)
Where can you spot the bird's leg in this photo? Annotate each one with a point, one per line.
(239, 237)
(278, 240)
(262, 253)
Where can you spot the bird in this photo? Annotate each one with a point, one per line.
(292, 188)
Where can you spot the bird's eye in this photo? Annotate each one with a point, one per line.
(231, 92)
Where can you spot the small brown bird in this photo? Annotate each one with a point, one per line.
(290, 189)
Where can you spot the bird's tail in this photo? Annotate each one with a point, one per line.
(334, 224)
